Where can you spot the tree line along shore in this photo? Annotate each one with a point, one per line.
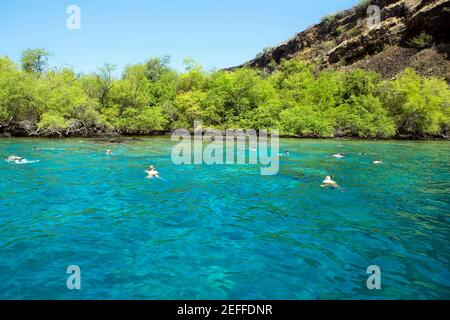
(151, 98)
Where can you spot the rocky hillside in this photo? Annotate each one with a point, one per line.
(414, 33)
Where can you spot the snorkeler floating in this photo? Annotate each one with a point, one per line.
(328, 182)
(152, 173)
(19, 160)
(109, 152)
(338, 155)
(14, 158)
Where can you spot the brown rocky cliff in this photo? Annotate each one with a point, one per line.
(343, 40)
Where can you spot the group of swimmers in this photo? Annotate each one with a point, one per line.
(329, 182)
(340, 155)
(153, 173)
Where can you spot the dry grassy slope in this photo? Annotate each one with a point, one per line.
(344, 41)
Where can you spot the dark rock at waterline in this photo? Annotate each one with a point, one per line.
(17, 130)
(118, 139)
(29, 129)
(13, 131)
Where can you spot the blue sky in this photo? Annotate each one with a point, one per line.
(216, 34)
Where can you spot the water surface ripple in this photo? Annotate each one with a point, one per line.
(224, 232)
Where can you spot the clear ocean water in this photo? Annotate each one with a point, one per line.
(224, 232)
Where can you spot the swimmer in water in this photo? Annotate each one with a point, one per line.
(338, 155)
(152, 173)
(329, 183)
(377, 162)
(15, 158)
(109, 152)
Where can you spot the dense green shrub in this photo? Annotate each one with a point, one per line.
(421, 41)
(296, 99)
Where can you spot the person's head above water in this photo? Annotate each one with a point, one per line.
(328, 178)
(152, 168)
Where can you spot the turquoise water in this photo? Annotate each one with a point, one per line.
(224, 232)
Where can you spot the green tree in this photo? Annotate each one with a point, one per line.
(155, 68)
(362, 116)
(53, 124)
(418, 105)
(20, 98)
(35, 60)
(189, 108)
(105, 79)
(304, 120)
